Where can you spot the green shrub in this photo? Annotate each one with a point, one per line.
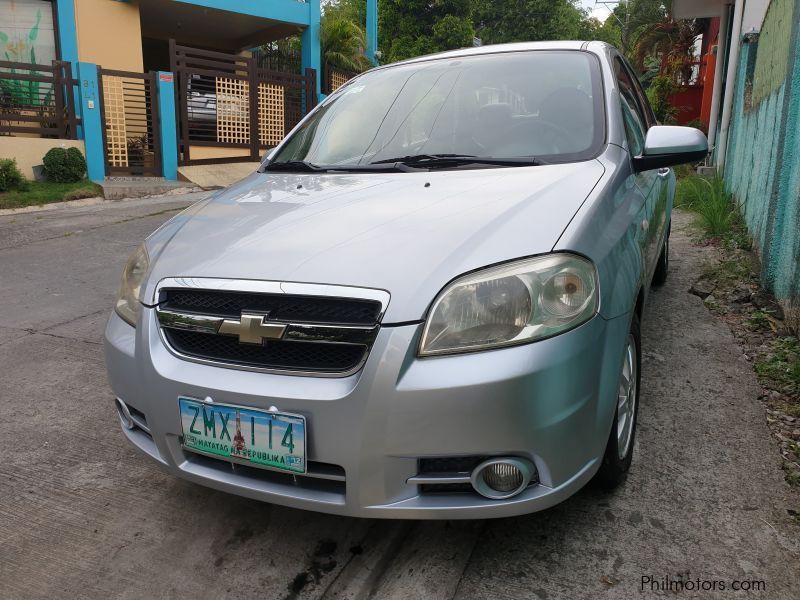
(659, 93)
(708, 198)
(23, 186)
(64, 165)
(10, 177)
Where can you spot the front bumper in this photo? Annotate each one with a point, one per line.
(551, 401)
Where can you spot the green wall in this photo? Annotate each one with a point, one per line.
(762, 166)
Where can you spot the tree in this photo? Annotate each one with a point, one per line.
(672, 42)
(629, 19)
(591, 28)
(527, 20)
(660, 48)
(453, 32)
(352, 10)
(342, 37)
(408, 28)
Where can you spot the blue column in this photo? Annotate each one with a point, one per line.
(92, 120)
(68, 41)
(372, 30)
(67, 34)
(168, 129)
(311, 55)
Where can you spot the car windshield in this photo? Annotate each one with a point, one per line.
(543, 105)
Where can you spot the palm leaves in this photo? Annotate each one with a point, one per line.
(671, 41)
(343, 43)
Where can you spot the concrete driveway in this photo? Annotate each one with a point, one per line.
(83, 515)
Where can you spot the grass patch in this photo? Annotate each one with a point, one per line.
(792, 478)
(782, 364)
(708, 199)
(758, 321)
(683, 171)
(730, 270)
(717, 214)
(37, 193)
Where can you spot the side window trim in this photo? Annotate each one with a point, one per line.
(629, 105)
(643, 114)
(644, 103)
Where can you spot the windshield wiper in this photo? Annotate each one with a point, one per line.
(452, 160)
(302, 166)
(417, 158)
(292, 166)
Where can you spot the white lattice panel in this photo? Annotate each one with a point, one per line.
(271, 124)
(233, 111)
(338, 79)
(116, 130)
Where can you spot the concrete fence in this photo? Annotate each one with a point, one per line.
(763, 159)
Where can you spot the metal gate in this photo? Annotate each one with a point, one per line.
(38, 100)
(230, 109)
(130, 122)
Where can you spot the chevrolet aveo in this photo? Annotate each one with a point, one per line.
(426, 303)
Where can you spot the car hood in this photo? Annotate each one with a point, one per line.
(406, 233)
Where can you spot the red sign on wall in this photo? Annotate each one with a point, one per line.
(165, 77)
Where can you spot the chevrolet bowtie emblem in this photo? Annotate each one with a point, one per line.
(252, 329)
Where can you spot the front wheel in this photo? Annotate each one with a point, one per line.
(619, 449)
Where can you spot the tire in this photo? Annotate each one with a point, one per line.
(662, 268)
(619, 448)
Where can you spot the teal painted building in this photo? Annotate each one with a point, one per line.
(762, 159)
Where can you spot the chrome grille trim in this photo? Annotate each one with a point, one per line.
(294, 331)
(439, 478)
(332, 334)
(288, 288)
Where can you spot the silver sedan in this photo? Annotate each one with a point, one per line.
(427, 301)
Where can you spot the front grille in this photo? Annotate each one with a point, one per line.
(303, 309)
(454, 465)
(283, 355)
(431, 469)
(450, 464)
(315, 479)
(309, 330)
(446, 488)
(135, 412)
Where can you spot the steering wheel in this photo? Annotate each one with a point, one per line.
(549, 132)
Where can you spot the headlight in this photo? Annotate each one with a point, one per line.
(128, 301)
(514, 303)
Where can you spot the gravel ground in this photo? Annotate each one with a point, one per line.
(82, 514)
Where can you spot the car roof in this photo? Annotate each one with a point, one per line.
(512, 47)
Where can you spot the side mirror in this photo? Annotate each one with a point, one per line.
(668, 145)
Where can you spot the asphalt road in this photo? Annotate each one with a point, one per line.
(83, 515)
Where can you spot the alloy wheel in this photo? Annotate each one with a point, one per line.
(626, 398)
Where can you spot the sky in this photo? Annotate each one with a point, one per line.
(596, 9)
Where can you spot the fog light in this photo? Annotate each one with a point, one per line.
(500, 478)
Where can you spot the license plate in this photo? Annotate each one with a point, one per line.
(245, 435)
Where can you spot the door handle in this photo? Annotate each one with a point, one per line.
(663, 172)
